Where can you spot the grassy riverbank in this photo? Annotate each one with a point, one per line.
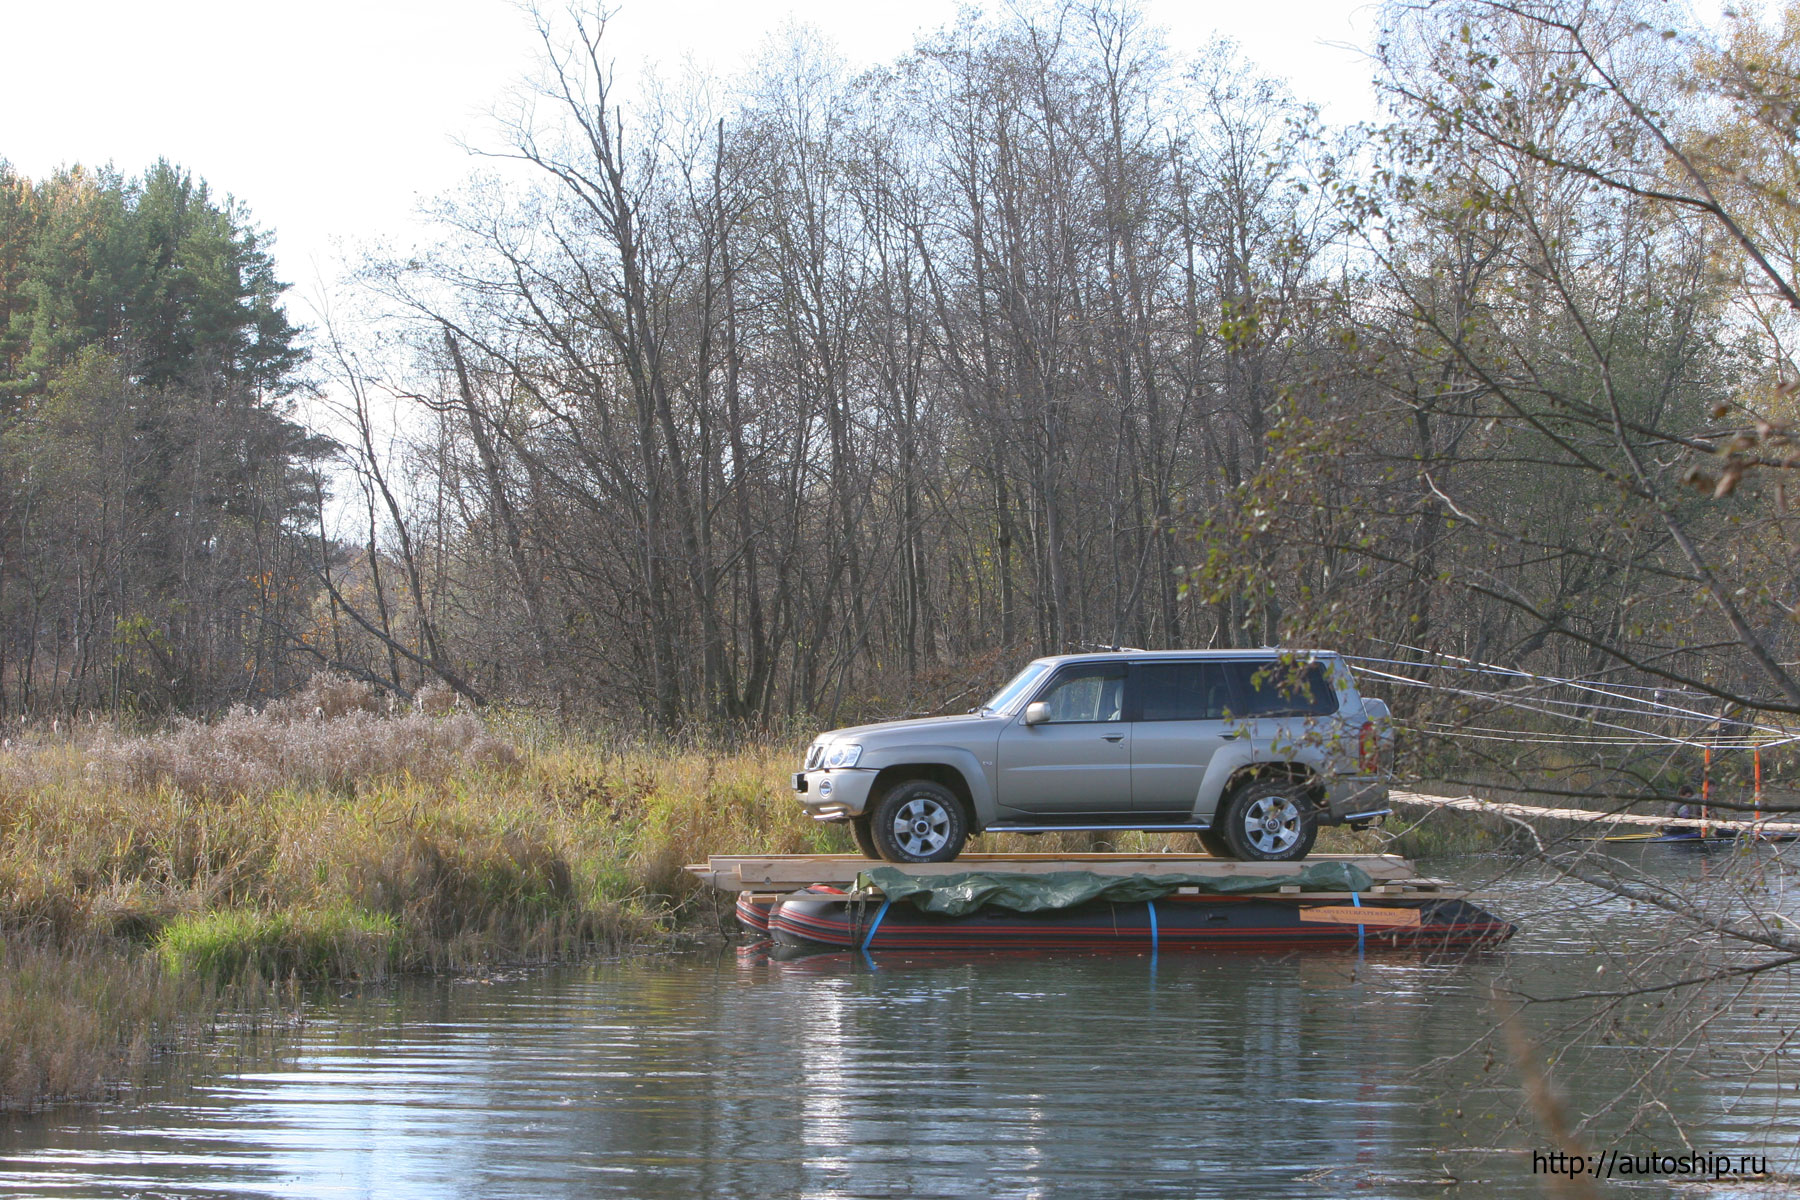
(143, 877)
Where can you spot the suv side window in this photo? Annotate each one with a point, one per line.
(1182, 691)
(1275, 689)
(1095, 693)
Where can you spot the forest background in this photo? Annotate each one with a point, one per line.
(822, 396)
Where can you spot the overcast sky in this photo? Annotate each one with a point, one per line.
(332, 118)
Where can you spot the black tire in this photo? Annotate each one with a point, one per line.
(919, 821)
(1214, 843)
(1269, 821)
(865, 840)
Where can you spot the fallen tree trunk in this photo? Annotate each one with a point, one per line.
(1531, 811)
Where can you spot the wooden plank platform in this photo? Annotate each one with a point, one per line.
(1392, 892)
(784, 873)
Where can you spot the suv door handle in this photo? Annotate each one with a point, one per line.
(1113, 737)
(1232, 733)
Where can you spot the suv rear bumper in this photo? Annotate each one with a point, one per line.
(1354, 798)
(833, 795)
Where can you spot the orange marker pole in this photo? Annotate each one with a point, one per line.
(1756, 757)
(1705, 788)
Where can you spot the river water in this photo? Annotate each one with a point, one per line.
(726, 1074)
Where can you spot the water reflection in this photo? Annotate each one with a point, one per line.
(736, 1075)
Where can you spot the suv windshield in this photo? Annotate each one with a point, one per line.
(1021, 683)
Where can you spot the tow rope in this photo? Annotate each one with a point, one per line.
(876, 923)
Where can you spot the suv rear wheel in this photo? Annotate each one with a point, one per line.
(1214, 843)
(1270, 821)
(919, 821)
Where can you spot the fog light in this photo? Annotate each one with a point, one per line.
(824, 787)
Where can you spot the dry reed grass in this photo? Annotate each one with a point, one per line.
(80, 1021)
(333, 734)
(77, 1020)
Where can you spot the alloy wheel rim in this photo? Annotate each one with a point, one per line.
(922, 827)
(1272, 824)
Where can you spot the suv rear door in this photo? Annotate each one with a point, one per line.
(1178, 725)
(1292, 706)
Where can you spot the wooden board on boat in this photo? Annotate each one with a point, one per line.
(1368, 914)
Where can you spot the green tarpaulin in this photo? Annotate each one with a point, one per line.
(963, 893)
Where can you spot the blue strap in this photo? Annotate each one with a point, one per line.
(876, 923)
(1151, 905)
(1357, 901)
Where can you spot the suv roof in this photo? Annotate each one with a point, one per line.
(1260, 653)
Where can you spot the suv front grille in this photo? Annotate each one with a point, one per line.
(813, 753)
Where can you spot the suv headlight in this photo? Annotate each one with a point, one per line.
(840, 754)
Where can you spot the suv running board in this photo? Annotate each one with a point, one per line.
(1097, 829)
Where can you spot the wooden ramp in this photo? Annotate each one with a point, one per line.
(773, 875)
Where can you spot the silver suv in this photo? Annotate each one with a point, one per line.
(1252, 750)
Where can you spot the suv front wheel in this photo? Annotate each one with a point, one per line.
(865, 837)
(919, 821)
(1270, 821)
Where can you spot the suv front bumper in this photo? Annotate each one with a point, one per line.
(833, 795)
(1354, 799)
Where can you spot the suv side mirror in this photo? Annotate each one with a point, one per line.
(1036, 713)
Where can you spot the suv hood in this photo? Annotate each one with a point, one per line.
(858, 732)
